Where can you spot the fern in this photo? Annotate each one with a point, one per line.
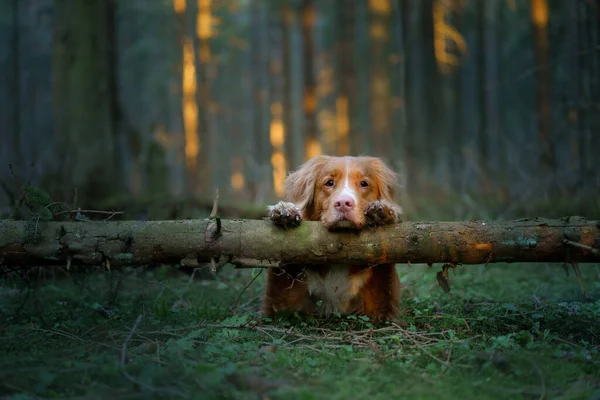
(36, 199)
(38, 203)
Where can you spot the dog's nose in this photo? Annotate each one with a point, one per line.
(344, 204)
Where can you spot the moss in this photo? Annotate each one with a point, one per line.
(522, 241)
(487, 339)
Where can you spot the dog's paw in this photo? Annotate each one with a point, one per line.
(381, 212)
(285, 214)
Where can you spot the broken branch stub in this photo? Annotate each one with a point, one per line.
(257, 243)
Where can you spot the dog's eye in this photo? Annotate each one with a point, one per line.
(329, 183)
(364, 183)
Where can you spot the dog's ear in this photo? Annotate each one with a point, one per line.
(386, 179)
(300, 184)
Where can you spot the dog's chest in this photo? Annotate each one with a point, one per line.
(336, 287)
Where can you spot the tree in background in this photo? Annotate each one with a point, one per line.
(84, 96)
(312, 144)
(539, 20)
(491, 100)
(380, 96)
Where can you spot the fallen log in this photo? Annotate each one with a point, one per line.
(257, 243)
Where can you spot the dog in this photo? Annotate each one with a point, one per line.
(341, 192)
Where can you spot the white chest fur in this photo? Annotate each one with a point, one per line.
(336, 288)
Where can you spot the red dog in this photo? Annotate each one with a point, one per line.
(341, 192)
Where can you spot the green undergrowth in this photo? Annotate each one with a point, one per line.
(505, 331)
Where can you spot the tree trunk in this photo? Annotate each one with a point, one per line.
(277, 129)
(326, 72)
(539, 19)
(287, 18)
(312, 145)
(595, 89)
(410, 84)
(588, 153)
(201, 22)
(499, 93)
(380, 100)
(457, 163)
(83, 95)
(399, 116)
(16, 88)
(347, 79)
(572, 96)
(482, 87)
(254, 243)
(434, 137)
(362, 141)
(10, 101)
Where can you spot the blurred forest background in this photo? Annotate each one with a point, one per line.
(484, 107)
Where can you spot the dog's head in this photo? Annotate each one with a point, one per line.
(336, 190)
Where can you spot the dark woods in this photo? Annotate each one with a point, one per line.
(470, 100)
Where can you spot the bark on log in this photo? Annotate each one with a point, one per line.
(258, 243)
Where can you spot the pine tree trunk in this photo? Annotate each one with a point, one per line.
(312, 145)
(483, 133)
(380, 100)
(202, 178)
(539, 19)
(286, 60)
(84, 97)
(346, 109)
(255, 243)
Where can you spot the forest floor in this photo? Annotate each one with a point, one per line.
(505, 331)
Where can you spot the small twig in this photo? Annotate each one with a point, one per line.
(580, 280)
(253, 263)
(113, 294)
(8, 270)
(192, 275)
(60, 333)
(247, 303)
(126, 342)
(68, 335)
(447, 366)
(23, 187)
(306, 346)
(581, 246)
(488, 259)
(55, 203)
(542, 380)
(213, 213)
(135, 381)
(246, 287)
(157, 351)
(110, 213)
(78, 211)
(70, 210)
(36, 227)
(75, 196)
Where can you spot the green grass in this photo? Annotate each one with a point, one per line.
(506, 331)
